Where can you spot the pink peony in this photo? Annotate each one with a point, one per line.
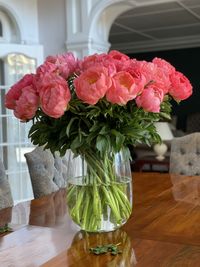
(27, 104)
(161, 80)
(150, 99)
(116, 55)
(16, 90)
(136, 73)
(118, 58)
(92, 84)
(163, 64)
(46, 67)
(91, 60)
(181, 87)
(162, 74)
(123, 89)
(41, 71)
(54, 95)
(65, 63)
(147, 69)
(101, 60)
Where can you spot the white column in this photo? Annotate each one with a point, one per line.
(88, 24)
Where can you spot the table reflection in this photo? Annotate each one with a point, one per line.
(83, 241)
(48, 211)
(5, 216)
(186, 189)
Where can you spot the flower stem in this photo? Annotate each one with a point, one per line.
(101, 198)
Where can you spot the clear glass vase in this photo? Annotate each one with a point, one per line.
(99, 192)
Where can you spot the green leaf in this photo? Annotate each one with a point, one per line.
(69, 125)
(119, 139)
(76, 143)
(102, 144)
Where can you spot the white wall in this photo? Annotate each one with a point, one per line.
(25, 13)
(52, 26)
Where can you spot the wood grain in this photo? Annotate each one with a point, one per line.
(164, 229)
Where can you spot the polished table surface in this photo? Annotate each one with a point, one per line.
(164, 229)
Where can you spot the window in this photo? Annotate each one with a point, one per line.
(13, 134)
(15, 61)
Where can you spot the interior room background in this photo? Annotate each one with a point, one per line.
(187, 61)
(31, 30)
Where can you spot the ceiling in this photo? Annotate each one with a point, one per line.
(157, 27)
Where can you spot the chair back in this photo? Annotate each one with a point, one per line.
(48, 173)
(6, 199)
(185, 155)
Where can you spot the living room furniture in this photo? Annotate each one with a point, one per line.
(165, 133)
(163, 230)
(6, 199)
(151, 163)
(185, 154)
(48, 173)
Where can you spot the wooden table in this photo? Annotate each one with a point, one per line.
(164, 229)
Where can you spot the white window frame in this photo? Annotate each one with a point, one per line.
(13, 147)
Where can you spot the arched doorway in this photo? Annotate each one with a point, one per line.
(88, 23)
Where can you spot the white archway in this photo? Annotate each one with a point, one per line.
(89, 22)
(10, 28)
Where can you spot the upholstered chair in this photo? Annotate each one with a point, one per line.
(6, 199)
(48, 173)
(185, 155)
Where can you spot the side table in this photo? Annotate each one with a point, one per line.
(150, 163)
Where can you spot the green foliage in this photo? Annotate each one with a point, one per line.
(99, 127)
(113, 249)
(5, 229)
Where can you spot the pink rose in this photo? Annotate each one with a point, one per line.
(54, 95)
(92, 84)
(123, 89)
(181, 87)
(150, 99)
(27, 104)
(16, 90)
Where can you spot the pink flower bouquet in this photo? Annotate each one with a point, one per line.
(97, 107)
